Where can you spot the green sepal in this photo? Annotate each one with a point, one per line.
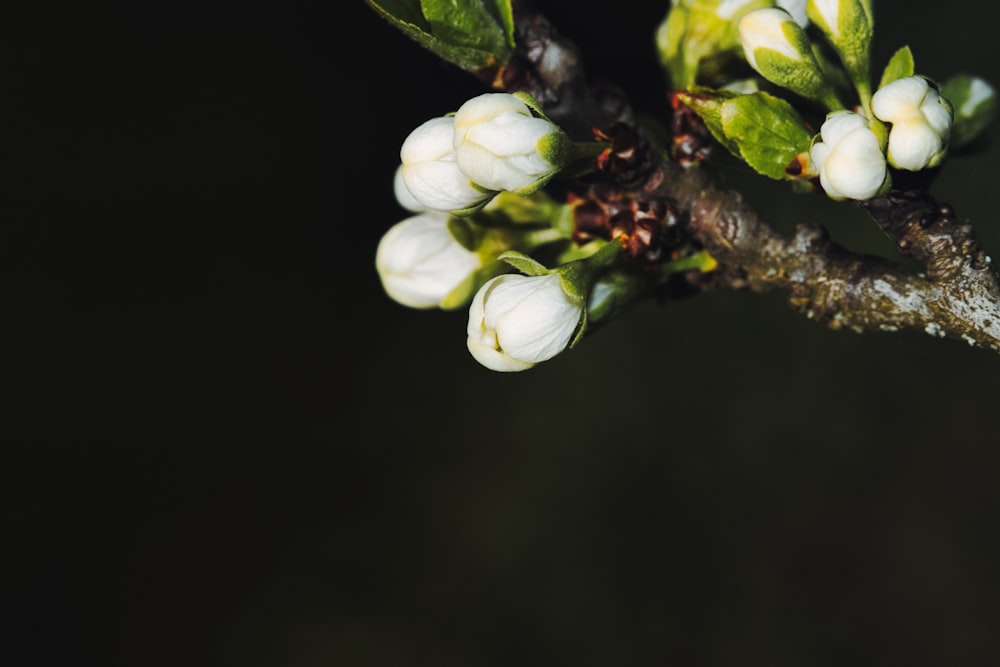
(581, 330)
(462, 212)
(462, 294)
(767, 131)
(471, 35)
(974, 103)
(509, 209)
(881, 132)
(613, 293)
(701, 261)
(851, 37)
(463, 232)
(529, 266)
(900, 66)
(802, 77)
(556, 148)
(530, 101)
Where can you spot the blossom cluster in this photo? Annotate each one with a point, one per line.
(473, 180)
(905, 125)
(452, 168)
(494, 142)
(851, 154)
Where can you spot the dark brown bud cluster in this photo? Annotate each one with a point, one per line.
(691, 139)
(646, 227)
(626, 160)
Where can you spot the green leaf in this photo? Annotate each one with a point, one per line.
(707, 103)
(974, 102)
(523, 263)
(900, 66)
(471, 34)
(767, 131)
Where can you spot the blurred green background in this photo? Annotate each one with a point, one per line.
(227, 447)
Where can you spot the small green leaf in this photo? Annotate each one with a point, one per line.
(974, 102)
(707, 103)
(523, 263)
(471, 34)
(900, 66)
(766, 130)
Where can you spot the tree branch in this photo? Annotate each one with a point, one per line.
(956, 296)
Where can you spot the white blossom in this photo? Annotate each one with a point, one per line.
(848, 156)
(797, 10)
(501, 145)
(921, 123)
(842, 20)
(431, 174)
(517, 321)
(728, 9)
(765, 29)
(420, 262)
(829, 13)
(403, 195)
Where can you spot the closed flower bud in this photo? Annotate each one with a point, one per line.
(766, 29)
(699, 30)
(420, 262)
(403, 196)
(431, 174)
(517, 321)
(796, 9)
(779, 50)
(842, 20)
(921, 122)
(849, 158)
(501, 145)
(848, 26)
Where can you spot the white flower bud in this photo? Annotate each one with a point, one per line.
(420, 262)
(835, 16)
(797, 10)
(403, 195)
(848, 157)
(517, 321)
(730, 9)
(768, 29)
(500, 145)
(921, 122)
(430, 172)
(778, 49)
(829, 13)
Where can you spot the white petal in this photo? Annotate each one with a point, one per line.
(900, 99)
(404, 197)
(442, 186)
(797, 10)
(483, 109)
(912, 145)
(494, 359)
(839, 123)
(420, 263)
(829, 10)
(855, 167)
(429, 141)
(936, 114)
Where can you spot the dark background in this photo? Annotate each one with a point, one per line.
(226, 446)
